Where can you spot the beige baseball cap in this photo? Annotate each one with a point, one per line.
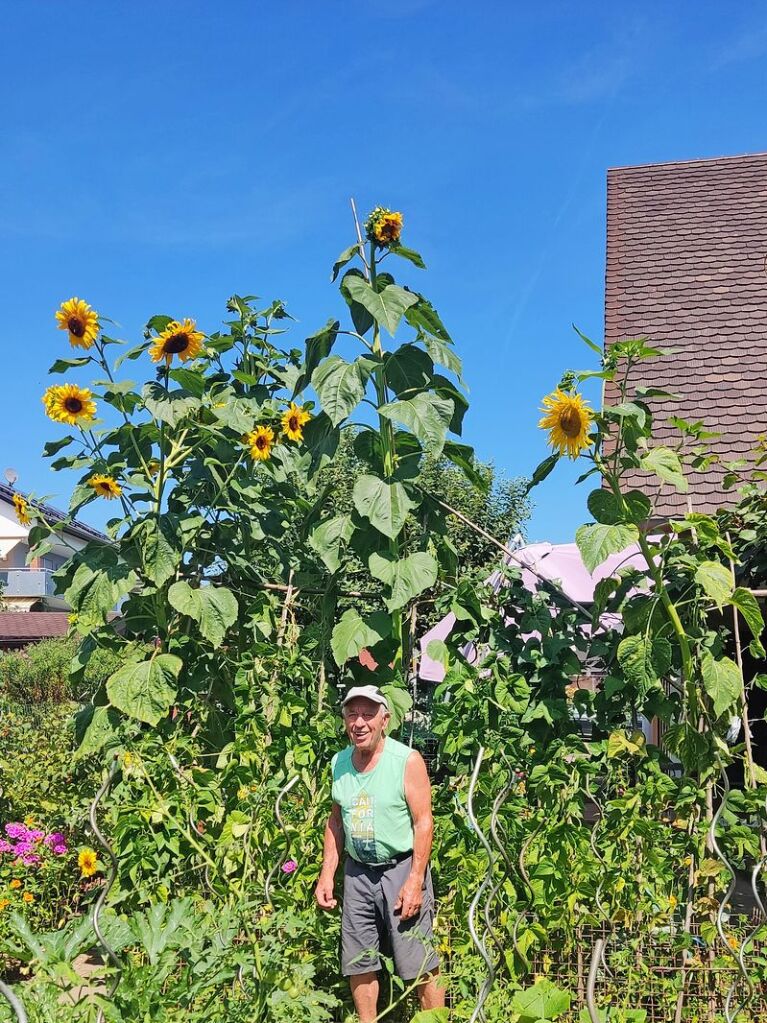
(367, 692)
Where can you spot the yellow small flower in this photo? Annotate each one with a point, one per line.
(687, 861)
(383, 226)
(242, 792)
(70, 404)
(128, 759)
(179, 338)
(15, 883)
(261, 441)
(21, 507)
(4, 903)
(673, 901)
(80, 321)
(105, 486)
(28, 897)
(733, 942)
(568, 419)
(293, 421)
(30, 821)
(87, 861)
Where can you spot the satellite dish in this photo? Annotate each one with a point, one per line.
(11, 475)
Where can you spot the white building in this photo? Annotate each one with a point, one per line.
(29, 586)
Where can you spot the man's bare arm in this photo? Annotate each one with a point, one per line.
(418, 797)
(331, 856)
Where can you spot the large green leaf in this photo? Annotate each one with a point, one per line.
(101, 731)
(346, 257)
(423, 316)
(161, 553)
(443, 355)
(426, 415)
(386, 505)
(318, 347)
(340, 385)
(168, 407)
(406, 577)
(747, 604)
(239, 414)
(644, 660)
(665, 463)
(410, 254)
(542, 470)
(716, 581)
(462, 455)
(400, 702)
(353, 633)
(214, 607)
(329, 538)
(722, 681)
(62, 365)
(147, 689)
(598, 541)
(386, 307)
(544, 1001)
(408, 369)
(95, 589)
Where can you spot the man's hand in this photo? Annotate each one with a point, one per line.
(323, 893)
(410, 898)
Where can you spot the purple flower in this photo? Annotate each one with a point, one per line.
(55, 838)
(5, 846)
(16, 830)
(30, 859)
(23, 848)
(34, 835)
(289, 866)
(60, 849)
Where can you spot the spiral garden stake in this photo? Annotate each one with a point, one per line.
(14, 1001)
(484, 991)
(280, 795)
(729, 1014)
(110, 953)
(596, 959)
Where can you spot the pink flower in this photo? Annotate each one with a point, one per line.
(23, 848)
(55, 838)
(30, 859)
(289, 866)
(60, 849)
(34, 835)
(15, 830)
(5, 846)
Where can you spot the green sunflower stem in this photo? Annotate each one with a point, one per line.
(386, 431)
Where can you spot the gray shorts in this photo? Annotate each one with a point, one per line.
(369, 925)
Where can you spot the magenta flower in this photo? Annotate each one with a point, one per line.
(34, 835)
(15, 830)
(5, 846)
(30, 859)
(55, 838)
(23, 848)
(60, 849)
(289, 866)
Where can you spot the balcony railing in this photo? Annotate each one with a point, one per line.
(27, 582)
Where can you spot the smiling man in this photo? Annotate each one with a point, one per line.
(382, 818)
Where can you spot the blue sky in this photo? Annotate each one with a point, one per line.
(157, 157)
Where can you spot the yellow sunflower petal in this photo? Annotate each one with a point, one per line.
(105, 486)
(70, 404)
(80, 321)
(260, 441)
(294, 419)
(568, 419)
(180, 338)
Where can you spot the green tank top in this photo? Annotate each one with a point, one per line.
(375, 814)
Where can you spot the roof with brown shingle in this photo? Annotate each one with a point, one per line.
(686, 252)
(21, 627)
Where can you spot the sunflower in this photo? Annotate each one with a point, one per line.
(568, 419)
(80, 320)
(105, 486)
(68, 403)
(87, 861)
(260, 440)
(21, 505)
(178, 338)
(383, 226)
(293, 421)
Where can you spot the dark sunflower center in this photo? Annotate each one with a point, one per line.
(106, 487)
(73, 405)
(176, 343)
(570, 422)
(293, 423)
(76, 326)
(261, 443)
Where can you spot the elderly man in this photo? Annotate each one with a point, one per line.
(381, 817)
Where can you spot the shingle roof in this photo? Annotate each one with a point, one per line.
(18, 627)
(686, 251)
(81, 529)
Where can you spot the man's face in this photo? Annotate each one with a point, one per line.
(365, 722)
